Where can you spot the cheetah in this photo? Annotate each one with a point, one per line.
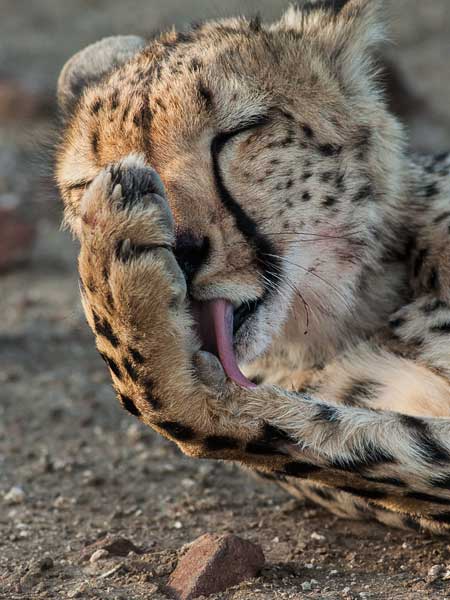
(263, 262)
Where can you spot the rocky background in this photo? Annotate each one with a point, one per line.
(92, 505)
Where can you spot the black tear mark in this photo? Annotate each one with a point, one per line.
(266, 254)
(129, 405)
(103, 328)
(179, 432)
(214, 443)
(428, 446)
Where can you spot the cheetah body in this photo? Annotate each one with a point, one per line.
(259, 164)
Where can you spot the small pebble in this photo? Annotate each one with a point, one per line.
(99, 554)
(306, 586)
(435, 572)
(317, 536)
(16, 495)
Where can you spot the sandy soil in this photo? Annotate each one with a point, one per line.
(87, 469)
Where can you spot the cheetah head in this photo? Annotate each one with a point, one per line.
(280, 161)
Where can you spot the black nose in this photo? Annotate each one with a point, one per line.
(191, 253)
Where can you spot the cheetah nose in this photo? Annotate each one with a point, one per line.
(191, 252)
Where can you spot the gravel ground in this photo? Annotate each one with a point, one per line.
(83, 468)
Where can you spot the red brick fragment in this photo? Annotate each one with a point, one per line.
(214, 563)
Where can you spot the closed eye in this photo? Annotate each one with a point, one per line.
(78, 185)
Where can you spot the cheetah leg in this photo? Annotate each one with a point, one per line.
(134, 295)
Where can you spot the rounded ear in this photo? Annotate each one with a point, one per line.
(88, 66)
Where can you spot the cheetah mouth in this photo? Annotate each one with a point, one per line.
(217, 324)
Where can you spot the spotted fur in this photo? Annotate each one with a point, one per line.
(259, 163)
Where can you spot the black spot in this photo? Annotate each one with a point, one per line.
(94, 142)
(306, 197)
(443, 328)
(266, 444)
(441, 518)
(326, 177)
(255, 24)
(368, 494)
(441, 218)
(359, 393)
(299, 469)
(363, 194)
(411, 523)
(306, 176)
(182, 433)
(431, 190)
(149, 394)
(214, 443)
(427, 445)
(325, 494)
(289, 183)
(433, 280)
(308, 131)
(428, 498)
(137, 356)
(329, 201)
(129, 405)
(366, 455)
(97, 106)
(433, 306)
(330, 150)
(195, 65)
(441, 482)
(387, 481)
(104, 329)
(130, 370)
(327, 412)
(419, 262)
(114, 100)
(396, 323)
(112, 365)
(340, 185)
(205, 94)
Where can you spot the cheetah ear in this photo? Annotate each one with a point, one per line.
(88, 66)
(346, 30)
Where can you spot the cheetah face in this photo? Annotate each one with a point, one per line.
(275, 149)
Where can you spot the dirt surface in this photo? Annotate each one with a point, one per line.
(84, 468)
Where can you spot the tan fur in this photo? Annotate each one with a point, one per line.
(351, 339)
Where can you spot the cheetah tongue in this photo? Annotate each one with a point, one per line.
(215, 322)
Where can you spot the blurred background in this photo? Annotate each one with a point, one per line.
(73, 468)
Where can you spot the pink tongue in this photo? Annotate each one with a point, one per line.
(215, 321)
